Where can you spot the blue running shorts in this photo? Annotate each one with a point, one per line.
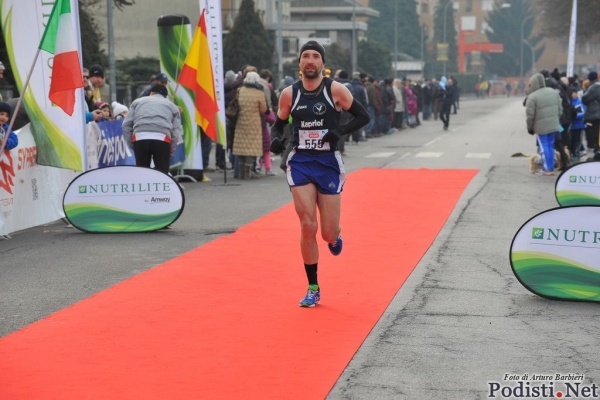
(323, 169)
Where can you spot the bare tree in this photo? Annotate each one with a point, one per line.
(556, 17)
(118, 3)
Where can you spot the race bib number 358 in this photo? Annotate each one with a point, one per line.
(313, 140)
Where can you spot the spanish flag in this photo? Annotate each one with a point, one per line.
(60, 39)
(197, 76)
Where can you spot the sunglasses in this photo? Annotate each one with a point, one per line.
(86, 77)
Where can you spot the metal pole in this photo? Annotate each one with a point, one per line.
(521, 43)
(422, 51)
(279, 40)
(532, 55)
(396, 41)
(111, 52)
(448, 47)
(353, 36)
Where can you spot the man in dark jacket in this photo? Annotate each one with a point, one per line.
(447, 98)
(358, 91)
(591, 98)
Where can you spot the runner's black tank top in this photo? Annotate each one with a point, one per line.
(313, 111)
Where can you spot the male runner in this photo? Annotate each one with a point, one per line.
(315, 170)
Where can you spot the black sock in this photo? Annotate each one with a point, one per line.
(311, 273)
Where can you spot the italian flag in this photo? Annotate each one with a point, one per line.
(60, 39)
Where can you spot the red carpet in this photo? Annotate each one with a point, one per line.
(223, 322)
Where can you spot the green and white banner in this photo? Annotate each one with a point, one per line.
(556, 253)
(123, 199)
(579, 185)
(174, 39)
(60, 138)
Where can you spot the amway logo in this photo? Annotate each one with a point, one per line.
(160, 200)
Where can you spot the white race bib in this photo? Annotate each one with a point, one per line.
(313, 140)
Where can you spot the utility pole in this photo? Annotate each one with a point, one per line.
(279, 40)
(112, 78)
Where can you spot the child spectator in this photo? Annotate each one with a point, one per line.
(13, 140)
(577, 126)
(106, 111)
(119, 110)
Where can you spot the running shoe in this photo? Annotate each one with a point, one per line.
(336, 248)
(313, 297)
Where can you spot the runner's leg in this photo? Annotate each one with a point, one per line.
(305, 203)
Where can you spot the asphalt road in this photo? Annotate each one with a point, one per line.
(461, 320)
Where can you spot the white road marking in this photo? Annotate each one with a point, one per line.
(384, 154)
(478, 155)
(432, 141)
(425, 154)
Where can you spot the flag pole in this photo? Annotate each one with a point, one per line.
(19, 102)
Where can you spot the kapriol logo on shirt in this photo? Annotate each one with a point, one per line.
(319, 109)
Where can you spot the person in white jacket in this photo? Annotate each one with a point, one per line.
(153, 128)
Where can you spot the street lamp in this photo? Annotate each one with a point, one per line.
(353, 2)
(522, 39)
(448, 47)
(279, 40)
(396, 41)
(354, 36)
(532, 56)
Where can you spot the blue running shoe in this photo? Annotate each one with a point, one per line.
(313, 297)
(336, 248)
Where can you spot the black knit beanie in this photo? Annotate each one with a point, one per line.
(312, 45)
(5, 107)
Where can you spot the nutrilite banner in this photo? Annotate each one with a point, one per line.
(579, 185)
(123, 199)
(58, 136)
(556, 253)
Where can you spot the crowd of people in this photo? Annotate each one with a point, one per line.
(564, 114)
(393, 104)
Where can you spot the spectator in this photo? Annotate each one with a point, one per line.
(591, 99)
(247, 144)
(158, 79)
(96, 74)
(106, 111)
(119, 110)
(446, 93)
(359, 94)
(12, 140)
(543, 108)
(153, 128)
(371, 128)
(577, 126)
(88, 91)
(399, 108)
